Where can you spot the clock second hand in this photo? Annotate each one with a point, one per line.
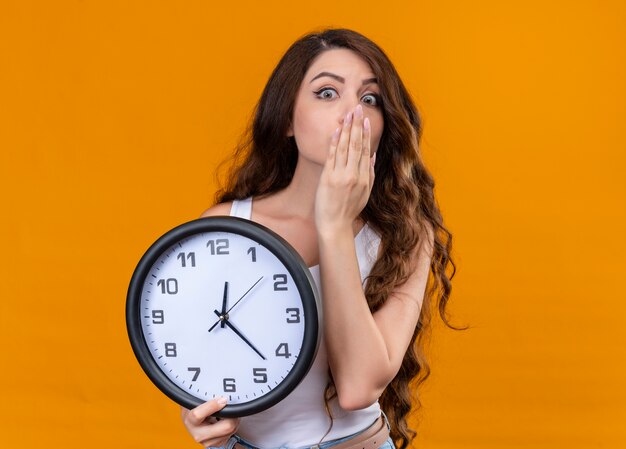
(243, 296)
(236, 302)
(224, 319)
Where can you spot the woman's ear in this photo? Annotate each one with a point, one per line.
(290, 131)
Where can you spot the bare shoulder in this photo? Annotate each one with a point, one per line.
(218, 209)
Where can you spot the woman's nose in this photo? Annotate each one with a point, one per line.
(346, 110)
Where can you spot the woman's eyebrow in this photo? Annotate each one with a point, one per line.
(342, 79)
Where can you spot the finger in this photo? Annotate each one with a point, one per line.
(372, 171)
(217, 444)
(332, 150)
(213, 443)
(355, 146)
(365, 162)
(344, 139)
(196, 416)
(218, 433)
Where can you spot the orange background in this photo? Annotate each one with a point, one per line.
(114, 115)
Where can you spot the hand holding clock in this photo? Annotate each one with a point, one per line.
(207, 430)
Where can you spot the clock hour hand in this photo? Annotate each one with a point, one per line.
(224, 319)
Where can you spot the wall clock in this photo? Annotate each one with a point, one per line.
(223, 306)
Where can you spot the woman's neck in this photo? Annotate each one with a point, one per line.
(297, 200)
(299, 196)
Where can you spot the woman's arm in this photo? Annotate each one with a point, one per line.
(365, 350)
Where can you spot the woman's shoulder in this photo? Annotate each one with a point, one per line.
(217, 209)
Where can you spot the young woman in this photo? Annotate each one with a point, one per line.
(332, 164)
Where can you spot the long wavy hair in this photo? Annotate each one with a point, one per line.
(401, 208)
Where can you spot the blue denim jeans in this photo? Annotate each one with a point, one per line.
(329, 444)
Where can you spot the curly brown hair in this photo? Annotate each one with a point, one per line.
(401, 208)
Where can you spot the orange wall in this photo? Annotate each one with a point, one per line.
(114, 114)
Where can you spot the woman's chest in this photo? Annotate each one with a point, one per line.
(298, 233)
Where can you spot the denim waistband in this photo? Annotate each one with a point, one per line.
(237, 439)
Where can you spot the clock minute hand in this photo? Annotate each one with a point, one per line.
(244, 295)
(235, 330)
(224, 303)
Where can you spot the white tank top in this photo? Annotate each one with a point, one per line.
(301, 419)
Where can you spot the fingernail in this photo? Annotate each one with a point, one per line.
(374, 159)
(366, 123)
(221, 401)
(349, 118)
(359, 111)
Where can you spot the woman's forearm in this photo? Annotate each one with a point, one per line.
(357, 354)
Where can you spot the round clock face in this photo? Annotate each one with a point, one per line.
(222, 306)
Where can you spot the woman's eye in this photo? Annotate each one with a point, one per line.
(326, 93)
(371, 99)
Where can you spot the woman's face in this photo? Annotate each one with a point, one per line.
(336, 82)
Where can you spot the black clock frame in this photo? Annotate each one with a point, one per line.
(288, 257)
